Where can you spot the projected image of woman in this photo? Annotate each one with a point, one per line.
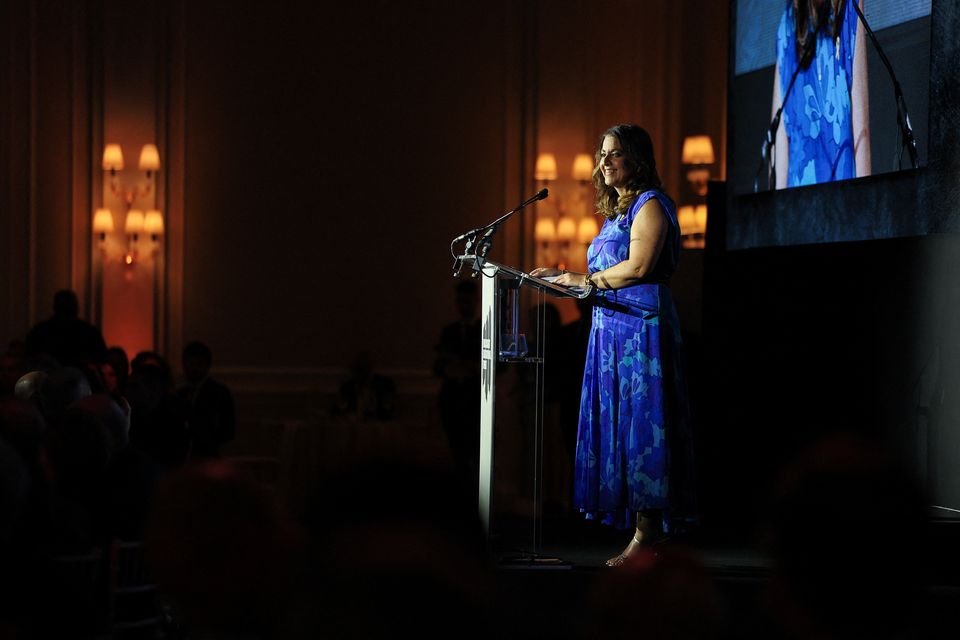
(825, 128)
(634, 457)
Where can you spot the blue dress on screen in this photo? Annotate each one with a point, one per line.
(817, 113)
(634, 419)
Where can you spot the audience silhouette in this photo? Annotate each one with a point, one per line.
(669, 593)
(846, 530)
(158, 417)
(131, 474)
(209, 403)
(222, 550)
(115, 371)
(365, 394)
(13, 364)
(457, 364)
(390, 542)
(70, 340)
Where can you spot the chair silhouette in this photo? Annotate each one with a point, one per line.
(135, 610)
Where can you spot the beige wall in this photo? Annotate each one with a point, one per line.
(317, 161)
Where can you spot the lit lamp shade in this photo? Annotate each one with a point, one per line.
(153, 223)
(697, 150)
(588, 229)
(102, 221)
(112, 158)
(546, 168)
(149, 158)
(566, 229)
(545, 231)
(700, 216)
(687, 217)
(134, 223)
(583, 167)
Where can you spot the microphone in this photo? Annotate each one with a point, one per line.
(483, 244)
(464, 236)
(903, 117)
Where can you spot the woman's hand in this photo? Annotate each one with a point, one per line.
(566, 278)
(545, 272)
(572, 279)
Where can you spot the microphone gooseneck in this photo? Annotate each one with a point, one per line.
(481, 238)
(903, 115)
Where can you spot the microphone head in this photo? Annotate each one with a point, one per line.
(542, 194)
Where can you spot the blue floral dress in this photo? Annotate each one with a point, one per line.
(633, 407)
(817, 113)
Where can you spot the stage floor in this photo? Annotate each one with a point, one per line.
(547, 593)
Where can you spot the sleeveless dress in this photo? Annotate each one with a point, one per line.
(634, 427)
(817, 113)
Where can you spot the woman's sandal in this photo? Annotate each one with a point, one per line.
(623, 557)
(620, 559)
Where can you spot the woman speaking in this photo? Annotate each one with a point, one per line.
(633, 460)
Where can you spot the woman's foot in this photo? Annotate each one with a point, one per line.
(644, 537)
(633, 547)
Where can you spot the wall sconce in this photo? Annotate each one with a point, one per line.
(566, 234)
(102, 224)
(697, 154)
(566, 229)
(153, 224)
(545, 232)
(149, 163)
(583, 168)
(557, 234)
(693, 225)
(133, 227)
(587, 230)
(546, 168)
(136, 222)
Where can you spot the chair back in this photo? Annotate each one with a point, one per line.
(135, 607)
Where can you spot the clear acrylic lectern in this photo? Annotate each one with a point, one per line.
(503, 342)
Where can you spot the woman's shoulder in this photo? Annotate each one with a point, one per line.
(661, 199)
(657, 195)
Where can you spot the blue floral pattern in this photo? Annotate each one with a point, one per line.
(633, 403)
(817, 113)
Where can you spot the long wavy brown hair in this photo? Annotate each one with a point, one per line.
(637, 149)
(812, 16)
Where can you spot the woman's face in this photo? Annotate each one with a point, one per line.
(613, 163)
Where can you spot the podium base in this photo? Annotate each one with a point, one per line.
(533, 561)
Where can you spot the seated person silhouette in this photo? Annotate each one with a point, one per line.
(72, 341)
(209, 403)
(365, 395)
